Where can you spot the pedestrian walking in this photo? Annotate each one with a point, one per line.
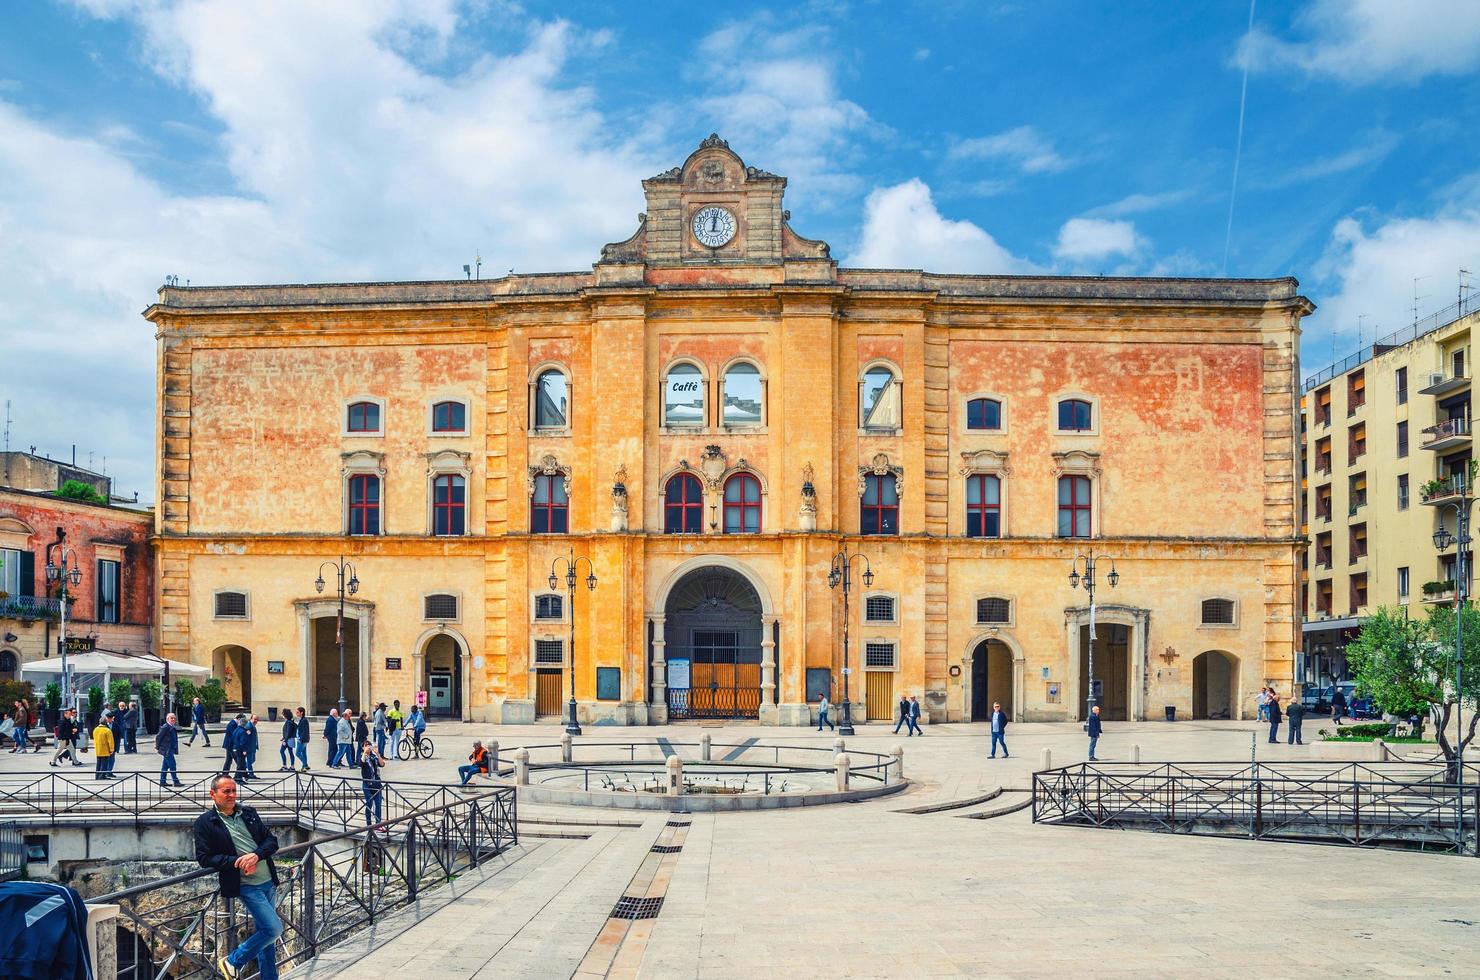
(290, 741)
(251, 746)
(381, 728)
(915, 718)
(1263, 702)
(1274, 717)
(120, 728)
(904, 715)
(302, 737)
(228, 744)
(999, 729)
(103, 747)
(371, 762)
(331, 735)
(1294, 715)
(236, 749)
(822, 719)
(231, 840)
(198, 722)
(1338, 704)
(1094, 728)
(345, 733)
(21, 731)
(66, 735)
(480, 763)
(167, 744)
(131, 726)
(395, 720)
(362, 735)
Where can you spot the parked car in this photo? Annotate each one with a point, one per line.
(1317, 699)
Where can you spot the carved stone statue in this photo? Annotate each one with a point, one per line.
(619, 498)
(808, 514)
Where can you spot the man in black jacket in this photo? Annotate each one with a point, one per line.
(66, 739)
(232, 841)
(999, 729)
(167, 744)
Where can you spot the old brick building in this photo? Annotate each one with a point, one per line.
(709, 414)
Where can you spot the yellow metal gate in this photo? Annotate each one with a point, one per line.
(547, 692)
(879, 693)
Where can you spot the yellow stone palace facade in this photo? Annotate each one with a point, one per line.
(709, 415)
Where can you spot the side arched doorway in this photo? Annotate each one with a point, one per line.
(713, 636)
(1214, 680)
(233, 666)
(442, 676)
(992, 680)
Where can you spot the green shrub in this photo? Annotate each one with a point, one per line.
(11, 691)
(151, 693)
(1376, 729)
(213, 695)
(120, 690)
(53, 695)
(95, 699)
(185, 692)
(77, 490)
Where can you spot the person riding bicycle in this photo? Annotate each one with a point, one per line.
(417, 724)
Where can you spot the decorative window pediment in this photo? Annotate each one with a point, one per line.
(985, 461)
(549, 466)
(1076, 462)
(449, 461)
(880, 466)
(362, 461)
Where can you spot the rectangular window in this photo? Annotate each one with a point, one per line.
(440, 606)
(549, 507)
(983, 506)
(1074, 507)
(1357, 543)
(1323, 549)
(993, 610)
(1323, 455)
(878, 609)
(608, 683)
(449, 417)
(1402, 491)
(449, 505)
(1356, 489)
(1359, 592)
(10, 571)
(364, 505)
(1323, 503)
(549, 606)
(1356, 442)
(1323, 406)
(1356, 391)
(108, 591)
(878, 655)
(1323, 597)
(549, 652)
(879, 509)
(231, 605)
(1402, 583)
(1400, 381)
(1457, 362)
(1402, 439)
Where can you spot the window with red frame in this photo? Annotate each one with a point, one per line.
(1075, 415)
(449, 417)
(683, 505)
(742, 504)
(983, 506)
(449, 505)
(879, 509)
(1074, 507)
(364, 505)
(549, 508)
(984, 413)
(364, 417)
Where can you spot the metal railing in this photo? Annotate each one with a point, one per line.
(1359, 804)
(1434, 321)
(1449, 486)
(30, 607)
(328, 888)
(12, 851)
(1448, 429)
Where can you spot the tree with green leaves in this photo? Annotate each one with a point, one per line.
(1408, 665)
(78, 490)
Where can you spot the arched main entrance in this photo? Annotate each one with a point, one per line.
(1112, 669)
(442, 676)
(233, 665)
(991, 680)
(1214, 680)
(712, 646)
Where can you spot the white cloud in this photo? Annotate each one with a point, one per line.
(903, 229)
(1096, 239)
(1368, 41)
(1139, 204)
(1024, 147)
(1374, 148)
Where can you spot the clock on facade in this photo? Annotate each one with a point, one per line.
(714, 226)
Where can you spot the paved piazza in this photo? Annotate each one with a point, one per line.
(863, 890)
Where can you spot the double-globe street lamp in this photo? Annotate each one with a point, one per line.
(841, 574)
(349, 584)
(1087, 579)
(1443, 540)
(572, 562)
(63, 571)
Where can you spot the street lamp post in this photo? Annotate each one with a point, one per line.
(572, 562)
(67, 572)
(343, 569)
(1087, 578)
(1442, 540)
(841, 574)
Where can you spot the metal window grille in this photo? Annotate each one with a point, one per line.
(231, 605)
(878, 609)
(548, 607)
(993, 611)
(1217, 612)
(549, 652)
(441, 607)
(879, 655)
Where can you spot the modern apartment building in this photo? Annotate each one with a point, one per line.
(1386, 443)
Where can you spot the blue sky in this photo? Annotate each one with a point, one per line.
(392, 139)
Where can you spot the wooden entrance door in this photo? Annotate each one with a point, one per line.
(547, 692)
(879, 693)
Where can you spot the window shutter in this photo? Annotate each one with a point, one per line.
(28, 573)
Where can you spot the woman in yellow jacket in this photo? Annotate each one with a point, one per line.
(103, 747)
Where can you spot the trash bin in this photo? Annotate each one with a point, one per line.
(1171, 711)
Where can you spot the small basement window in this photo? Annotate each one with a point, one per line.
(231, 605)
(879, 655)
(549, 652)
(878, 609)
(441, 606)
(994, 610)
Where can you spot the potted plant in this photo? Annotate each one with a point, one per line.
(185, 693)
(151, 693)
(95, 698)
(52, 713)
(120, 690)
(213, 696)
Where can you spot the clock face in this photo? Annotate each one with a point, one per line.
(714, 226)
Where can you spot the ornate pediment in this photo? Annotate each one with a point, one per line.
(549, 466)
(1076, 462)
(362, 461)
(985, 461)
(880, 466)
(448, 461)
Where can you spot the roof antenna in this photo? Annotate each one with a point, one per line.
(1464, 287)
(1416, 297)
(1360, 318)
(467, 271)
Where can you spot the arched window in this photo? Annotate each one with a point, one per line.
(549, 507)
(880, 407)
(551, 400)
(683, 396)
(548, 606)
(983, 506)
(1075, 415)
(742, 504)
(683, 505)
(364, 504)
(879, 510)
(984, 414)
(449, 504)
(449, 416)
(363, 417)
(743, 396)
(1074, 507)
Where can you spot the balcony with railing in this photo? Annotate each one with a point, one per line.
(1437, 592)
(1441, 491)
(29, 608)
(1449, 434)
(1443, 384)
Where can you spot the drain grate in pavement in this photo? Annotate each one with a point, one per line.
(637, 908)
(666, 848)
(679, 823)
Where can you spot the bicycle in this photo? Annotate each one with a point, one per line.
(413, 747)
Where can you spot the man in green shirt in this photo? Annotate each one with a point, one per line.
(231, 840)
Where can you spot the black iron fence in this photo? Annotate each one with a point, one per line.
(12, 851)
(328, 888)
(1360, 804)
